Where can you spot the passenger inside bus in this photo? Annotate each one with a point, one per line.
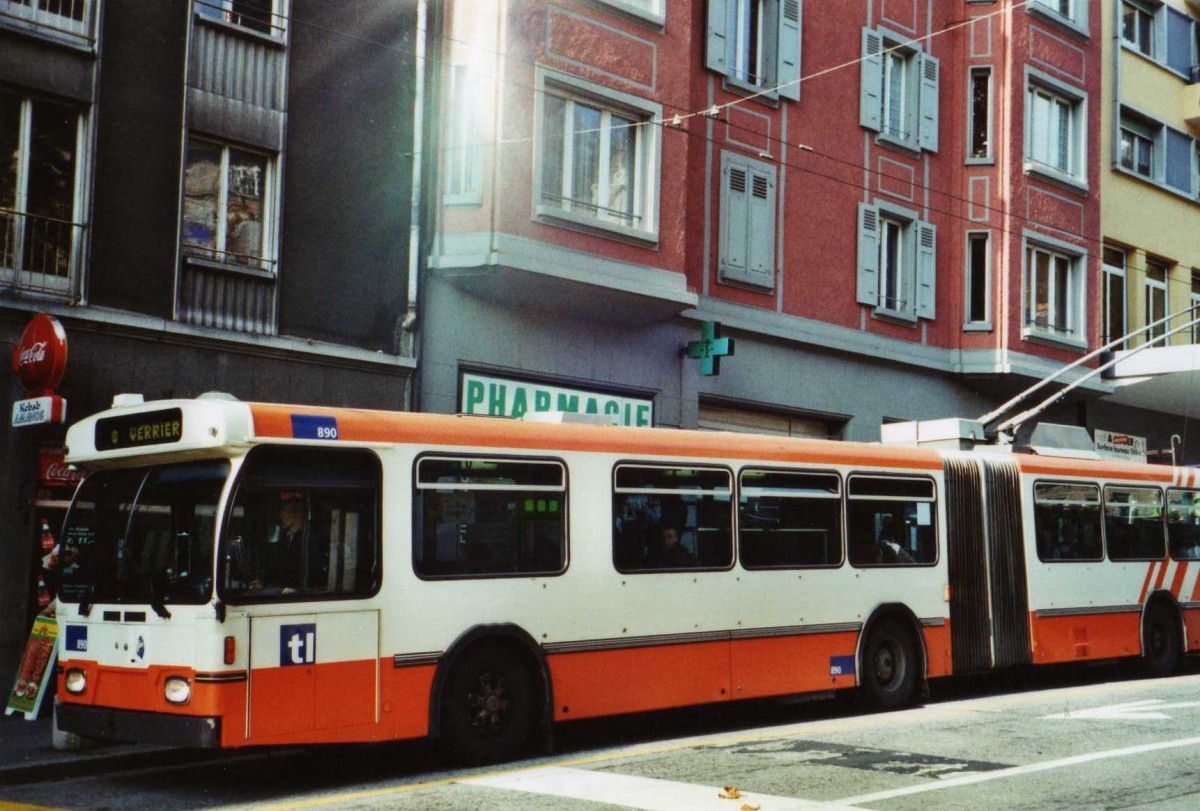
(294, 555)
(669, 552)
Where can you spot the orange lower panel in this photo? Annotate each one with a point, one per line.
(938, 650)
(1084, 637)
(792, 664)
(587, 685)
(1191, 619)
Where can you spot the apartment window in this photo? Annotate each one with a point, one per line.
(1053, 132)
(598, 160)
(1071, 12)
(68, 16)
(1137, 146)
(1114, 322)
(755, 44)
(898, 91)
(40, 203)
(262, 16)
(1137, 27)
(1155, 293)
(979, 282)
(464, 137)
(979, 135)
(652, 10)
(1195, 305)
(227, 204)
(896, 262)
(747, 242)
(1053, 293)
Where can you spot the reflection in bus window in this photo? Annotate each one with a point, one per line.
(143, 535)
(1067, 521)
(1183, 523)
(303, 524)
(890, 521)
(488, 517)
(668, 518)
(789, 519)
(1133, 523)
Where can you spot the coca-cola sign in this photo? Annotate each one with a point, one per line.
(53, 471)
(40, 359)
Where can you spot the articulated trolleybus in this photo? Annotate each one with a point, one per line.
(237, 574)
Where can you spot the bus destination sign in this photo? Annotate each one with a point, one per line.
(138, 430)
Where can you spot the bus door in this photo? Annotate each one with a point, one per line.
(300, 550)
(314, 671)
(989, 601)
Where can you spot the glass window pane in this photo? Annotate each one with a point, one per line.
(585, 169)
(891, 521)
(554, 111)
(10, 138)
(672, 518)
(789, 519)
(1062, 293)
(1067, 521)
(620, 169)
(201, 194)
(51, 189)
(1183, 524)
(1133, 523)
(244, 214)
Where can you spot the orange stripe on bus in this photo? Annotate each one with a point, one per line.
(1085, 637)
(1180, 572)
(482, 432)
(1196, 590)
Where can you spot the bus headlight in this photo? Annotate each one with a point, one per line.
(76, 681)
(177, 690)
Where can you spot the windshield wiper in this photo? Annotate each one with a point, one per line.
(85, 605)
(156, 603)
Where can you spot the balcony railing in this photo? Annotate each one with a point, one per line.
(39, 254)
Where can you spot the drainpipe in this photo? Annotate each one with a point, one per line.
(408, 326)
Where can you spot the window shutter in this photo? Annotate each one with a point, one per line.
(1179, 41)
(787, 77)
(735, 216)
(868, 255)
(717, 50)
(1179, 161)
(926, 269)
(761, 227)
(870, 100)
(927, 137)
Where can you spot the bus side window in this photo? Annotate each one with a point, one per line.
(303, 525)
(1067, 521)
(1183, 523)
(789, 519)
(672, 518)
(891, 520)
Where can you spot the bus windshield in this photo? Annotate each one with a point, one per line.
(143, 535)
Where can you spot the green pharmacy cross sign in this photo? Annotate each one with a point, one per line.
(710, 348)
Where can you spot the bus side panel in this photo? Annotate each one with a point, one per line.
(1191, 621)
(406, 693)
(939, 651)
(1083, 637)
(610, 682)
(793, 664)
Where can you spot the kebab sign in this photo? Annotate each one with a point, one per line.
(39, 360)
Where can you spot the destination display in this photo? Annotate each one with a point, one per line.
(139, 430)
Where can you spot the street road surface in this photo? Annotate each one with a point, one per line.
(1107, 744)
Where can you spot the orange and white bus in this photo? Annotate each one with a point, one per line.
(238, 574)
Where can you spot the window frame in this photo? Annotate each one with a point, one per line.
(23, 219)
(973, 125)
(655, 11)
(463, 158)
(268, 260)
(617, 490)
(1075, 17)
(932, 500)
(276, 25)
(647, 148)
(1194, 302)
(1074, 102)
(886, 57)
(1136, 133)
(969, 287)
(1155, 292)
(1099, 506)
(1109, 273)
(1076, 311)
(417, 486)
(779, 28)
(840, 498)
(1162, 522)
(1142, 14)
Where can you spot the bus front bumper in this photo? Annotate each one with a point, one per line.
(139, 727)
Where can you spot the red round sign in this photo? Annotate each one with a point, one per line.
(41, 356)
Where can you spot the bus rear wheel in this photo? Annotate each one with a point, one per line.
(889, 677)
(488, 706)
(1160, 641)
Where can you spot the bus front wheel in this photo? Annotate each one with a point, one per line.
(488, 706)
(889, 665)
(1161, 645)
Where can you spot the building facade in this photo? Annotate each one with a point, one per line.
(209, 196)
(892, 206)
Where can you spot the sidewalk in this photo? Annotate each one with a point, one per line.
(27, 754)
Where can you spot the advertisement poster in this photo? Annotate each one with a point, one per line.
(37, 669)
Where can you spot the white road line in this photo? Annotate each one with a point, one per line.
(1017, 771)
(637, 792)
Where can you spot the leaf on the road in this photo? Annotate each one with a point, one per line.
(730, 793)
(748, 807)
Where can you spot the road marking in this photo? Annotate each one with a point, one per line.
(1017, 771)
(1148, 710)
(630, 791)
